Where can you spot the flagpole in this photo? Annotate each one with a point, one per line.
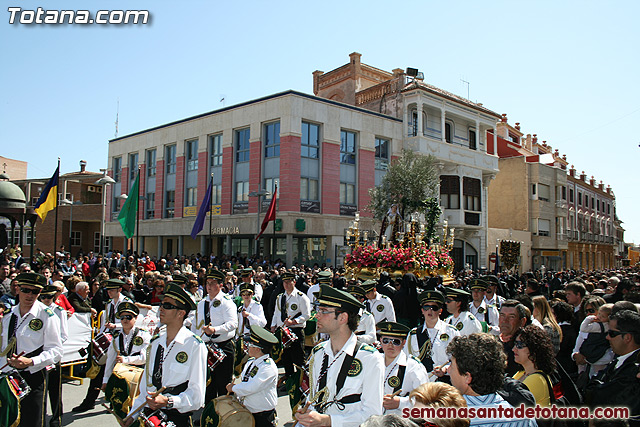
(138, 216)
(211, 217)
(273, 245)
(55, 229)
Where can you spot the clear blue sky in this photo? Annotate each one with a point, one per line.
(566, 70)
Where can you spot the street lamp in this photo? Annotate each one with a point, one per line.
(259, 195)
(71, 204)
(104, 181)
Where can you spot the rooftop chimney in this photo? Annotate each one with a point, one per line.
(592, 181)
(601, 185)
(583, 176)
(83, 165)
(535, 138)
(608, 189)
(572, 171)
(504, 118)
(518, 126)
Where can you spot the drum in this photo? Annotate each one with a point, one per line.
(226, 411)
(100, 345)
(216, 355)
(123, 387)
(18, 384)
(288, 337)
(156, 419)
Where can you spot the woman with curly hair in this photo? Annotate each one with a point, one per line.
(533, 350)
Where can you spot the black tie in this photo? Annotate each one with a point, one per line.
(367, 306)
(112, 314)
(609, 370)
(283, 307)
(156, 379)
(207, 314)
(12, 326)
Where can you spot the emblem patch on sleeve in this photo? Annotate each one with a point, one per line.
(35, 324)
(380, 308)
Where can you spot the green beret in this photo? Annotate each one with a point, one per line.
(262, 338)
(356, 291)
(180, 295)
(431, 296)
(127, 307)
(325, 277)
(287, 275)
(478, 284)
(113, 283)
(368, 285)
(213, 273)
(455, 292)
(342, 300)
(393, 329)
(32, 279)
(247, 287)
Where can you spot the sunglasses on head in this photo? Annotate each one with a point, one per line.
(126, 317)
(33, 291)
(428, 307)
(614, 334)
(169, 306)
(519, 344)
(395, 341)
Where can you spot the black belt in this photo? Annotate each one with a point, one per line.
(176, 390)
(352, 398)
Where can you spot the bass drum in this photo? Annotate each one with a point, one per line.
(226, 411)
(123, 387)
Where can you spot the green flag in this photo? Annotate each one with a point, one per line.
(129, 213)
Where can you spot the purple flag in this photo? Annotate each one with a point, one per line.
(202, 212)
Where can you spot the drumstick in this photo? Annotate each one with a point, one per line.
(142, 405)
(395, 393)
(114, 414)
(7, 364)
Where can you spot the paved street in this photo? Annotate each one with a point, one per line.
(73, 393)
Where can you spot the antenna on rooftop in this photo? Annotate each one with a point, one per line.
(464, 81)
(117, 114)
(222, 99)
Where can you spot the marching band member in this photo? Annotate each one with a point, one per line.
(30, 342)
(366, 330)
(216, 321)
(250, 312)
(428, 342)
(324, 278)
(491, 297)
(377, 304)
(480, 309)
(177, 360)
(128, 346)
(257, 391)
(292, 310)
(345, 375)
(54, 378)
(402, 373)
(457, 301)
(246, 276)
(110, 324)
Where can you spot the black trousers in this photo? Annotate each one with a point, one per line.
(222, 374)
(54, 388)
(94, 388)
(32, 406)
(294, 353)
(265, 419)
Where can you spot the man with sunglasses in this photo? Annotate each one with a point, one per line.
(129, 345)
(617, 384)
(257, 389)
(346, 375)
(457, 301)
(177, 360)
(428, 342)
(402, 373)
(366, 330)
(377, 304)
(31, 341)
(216, 320)
(54, 380)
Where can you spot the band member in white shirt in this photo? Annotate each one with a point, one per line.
(31, 341)
(457, 301)
(486, 314)
(250, 312)
(377, 304)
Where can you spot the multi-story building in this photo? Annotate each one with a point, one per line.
(591, 223)
(528, 199)
(436, 122)
(326, 152)
(322, 154)
(78, 224)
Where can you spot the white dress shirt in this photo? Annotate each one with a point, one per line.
(137, 356)
(414, 376)
(256, 317)
(382, 308)
(222, 315)
(297, 306)
(257, 389)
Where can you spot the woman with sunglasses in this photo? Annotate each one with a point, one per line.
(402, 373)
(534, 352)
(128, 346)
(428, 342)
